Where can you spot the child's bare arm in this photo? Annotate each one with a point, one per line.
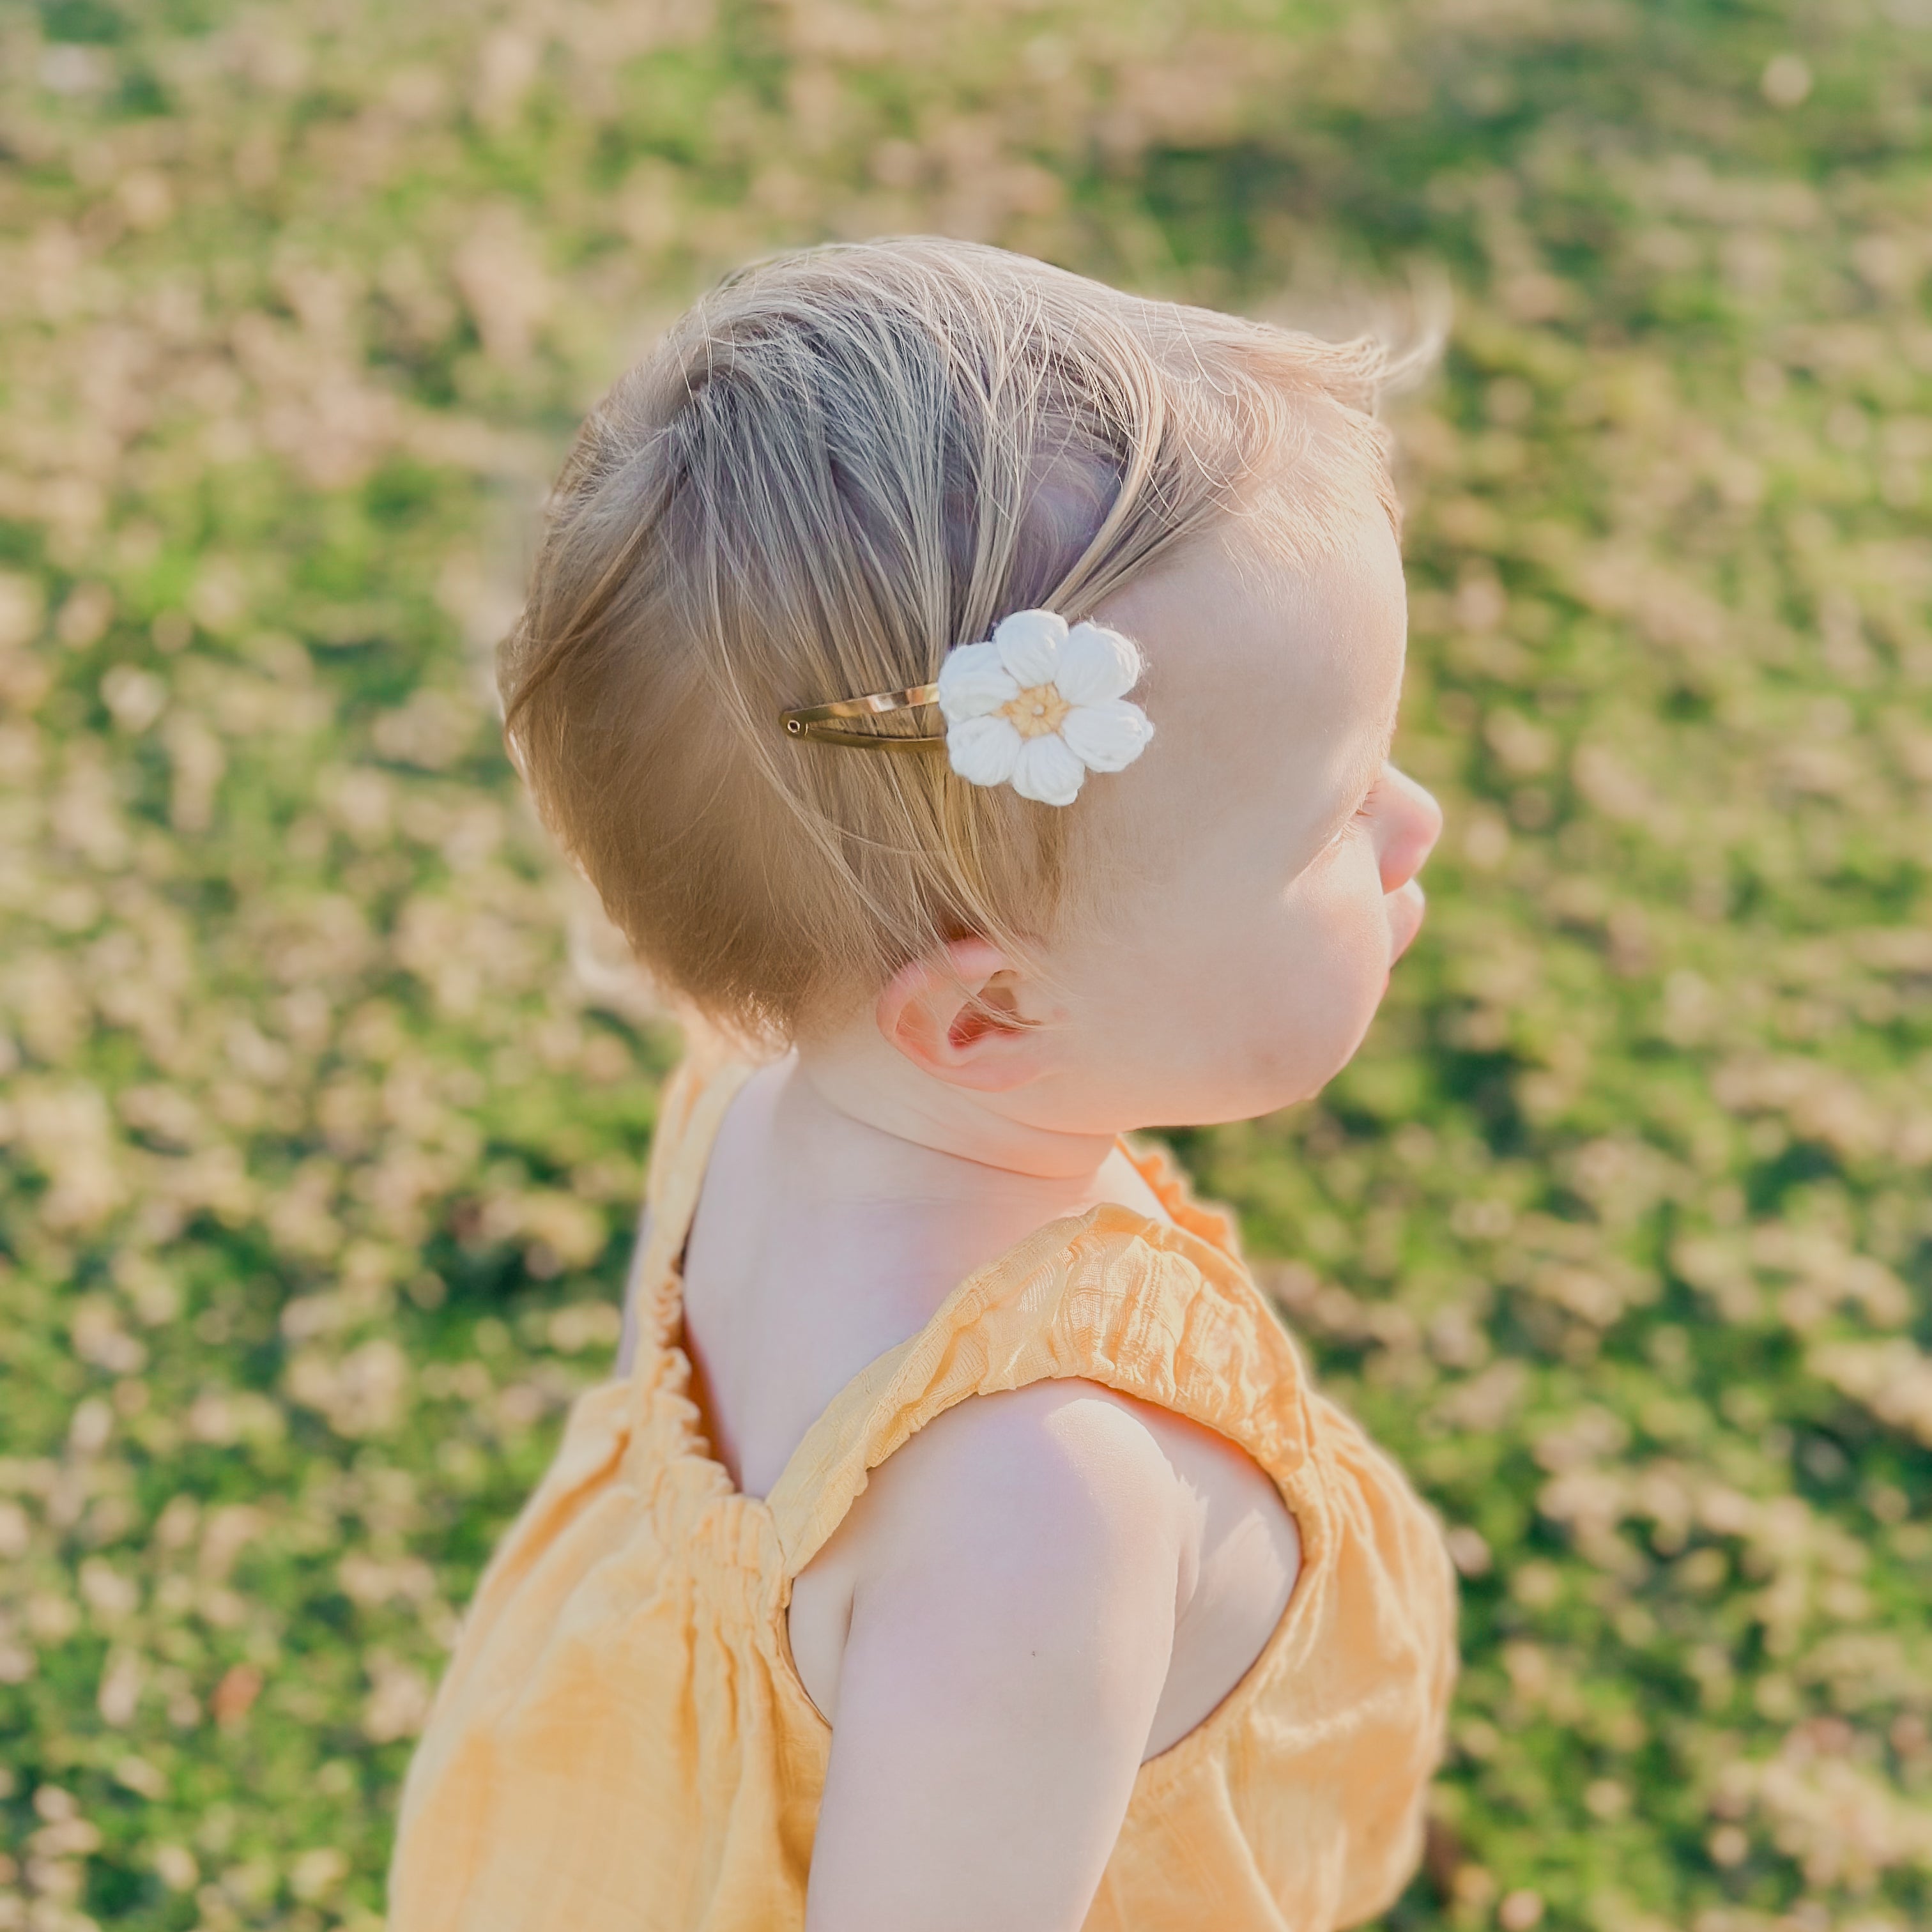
(1016, 1568)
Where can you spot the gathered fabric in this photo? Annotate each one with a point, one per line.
(621, 1742)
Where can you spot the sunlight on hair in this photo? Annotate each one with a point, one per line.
(837, 466)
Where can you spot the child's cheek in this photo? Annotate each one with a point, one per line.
(1351, 954)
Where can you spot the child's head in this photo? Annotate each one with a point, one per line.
(844, 462)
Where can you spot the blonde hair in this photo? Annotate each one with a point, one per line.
(837, 465)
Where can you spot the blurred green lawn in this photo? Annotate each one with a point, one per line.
(324, 1115)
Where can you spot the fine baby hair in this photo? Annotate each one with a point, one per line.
(838, 466)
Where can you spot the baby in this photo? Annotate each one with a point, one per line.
(970, 690)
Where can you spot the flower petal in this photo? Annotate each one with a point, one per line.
(1107, 736)
(1096, 664)
(983, 750)
(1029, 643)
(972, 683)
(1048, 770)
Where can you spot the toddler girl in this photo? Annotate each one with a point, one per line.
(970, 691)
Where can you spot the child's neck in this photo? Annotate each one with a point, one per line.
(924, 1134)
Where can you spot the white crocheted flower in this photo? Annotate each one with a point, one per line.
(1041, 706)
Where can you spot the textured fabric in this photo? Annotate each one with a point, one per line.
(621, 1744)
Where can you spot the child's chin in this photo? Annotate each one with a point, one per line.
(1255, 1099)
(1272, 1076)
(1355, 1046)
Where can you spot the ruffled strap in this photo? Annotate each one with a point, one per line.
(691, 1108)
(1165, 1314)
(1156, 1165)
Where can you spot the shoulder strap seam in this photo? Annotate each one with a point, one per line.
(904, 1388)
(695, 1099)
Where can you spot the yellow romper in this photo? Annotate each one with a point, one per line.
(622, 1743)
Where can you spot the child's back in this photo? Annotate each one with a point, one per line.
(960, 1540)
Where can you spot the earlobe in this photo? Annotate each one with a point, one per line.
(957, 1016)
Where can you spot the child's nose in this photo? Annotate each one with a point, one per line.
(1415, 821)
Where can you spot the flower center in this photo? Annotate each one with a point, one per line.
(1037, 711)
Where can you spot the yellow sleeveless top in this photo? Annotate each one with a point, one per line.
(621, 1742)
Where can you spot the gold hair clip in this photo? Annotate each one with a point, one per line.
(1037, 707)
(807, 721)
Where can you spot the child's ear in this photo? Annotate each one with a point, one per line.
(960, 1014)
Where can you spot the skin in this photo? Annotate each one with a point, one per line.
(1042, 1588)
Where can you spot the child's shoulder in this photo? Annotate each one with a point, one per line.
(1061, 1513)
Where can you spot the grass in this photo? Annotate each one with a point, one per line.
(323, 1134)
